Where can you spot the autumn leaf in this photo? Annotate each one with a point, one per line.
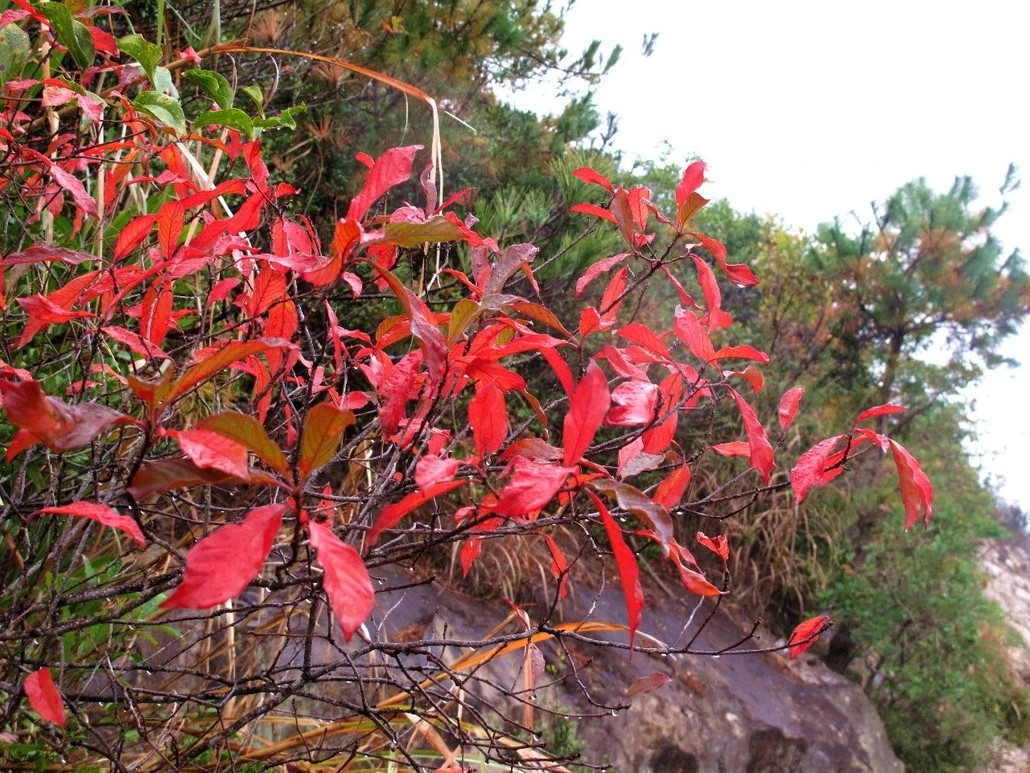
(788, 407)
(626, 562)
(320, 440)
(886, 409)
(718, 545)
(346, 579)
(806, 634)
(559, 566)
(587, 408)
(488, 416)
(761, 450)
(102, 514)
(634, 403)
(221, 565)
(670, 490)
(916, 489)
(248, 432)
(392, 514)
(649, 683)
(810, 469)
(43, 696)
(531, 486)
(213, 451)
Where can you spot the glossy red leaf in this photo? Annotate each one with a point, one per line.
(221, 565)
(689, 330)
(741, 352)
(643, 336)
(132, 235)
(587, 408)
(626, 562)
(531, 486)
(43, 696)
(74, 186)
(788, 408)
(634, 402)
(559, 566)
(488, 416)
(806, 634)
(213, 451)
(346, 579)
(391, 515)
(431, 470)
(320, 439)
(810, 469)
(916, 489)
(102, 514)
(762, 458)
(585, 208)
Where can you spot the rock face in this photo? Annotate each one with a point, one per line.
(747, 713)
(1006, 564)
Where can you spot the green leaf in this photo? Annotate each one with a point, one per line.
(70, 33)
(214, 85)
(162, 108)
(232, 117)
(285, 118)
(143, 51)
(256, 95)
(435, 229)
(163, 82)
(15, 50)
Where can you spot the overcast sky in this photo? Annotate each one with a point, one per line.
(809, 110)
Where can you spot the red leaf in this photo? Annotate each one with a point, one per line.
(717, 545)
(43, 696)
(390, 169)
(248, 432)
(806, 634)
(74, 186)
(102, 514)
(213, 451)
(880, 410)
(789, 406)
(916, 489)
(742, 352)
(222, 564)
(592, 176)
(346, 579)
(586, 208)
(693, 177)
(762, 458)
(642, 335)
(734, 448)
(132, 235)
(161, 475)
(689, 330)
(431, 470)
(597, 269)
(423, 326)
(626, 562)
(810, 469)
(670, 491)
(392, 514)
(488, 416)
(559, 566)
(716, 318)
(587, 408)
(320, 439)
(397, 389)
(531, 487)
(59, 426)
(737, 273)
(41, 313)
(634, 403)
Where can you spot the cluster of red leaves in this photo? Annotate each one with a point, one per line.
(623, 381)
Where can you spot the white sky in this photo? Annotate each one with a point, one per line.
(814, 109)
